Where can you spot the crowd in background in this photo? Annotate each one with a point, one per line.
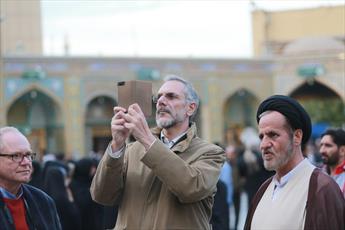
(68, 183)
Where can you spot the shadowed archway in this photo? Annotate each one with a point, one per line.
(239, 112)
(39, 117)
(97, 123)
(321, 102)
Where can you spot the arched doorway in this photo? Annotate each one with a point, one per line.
(239, 112)
(39, 118)
(97, 127)
(322, 103)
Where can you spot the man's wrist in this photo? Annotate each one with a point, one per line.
(116, 154)
(115, 147)
(149, 142)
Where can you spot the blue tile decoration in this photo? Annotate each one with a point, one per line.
(14, 85)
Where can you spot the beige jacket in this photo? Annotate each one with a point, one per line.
(161, 188)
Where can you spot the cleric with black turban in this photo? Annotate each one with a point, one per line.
(291, 109)
(299, 195)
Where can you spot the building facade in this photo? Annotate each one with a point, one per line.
(20, 26)
(273, 30)
(64, 104)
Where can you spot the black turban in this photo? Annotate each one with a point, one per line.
(291, 109)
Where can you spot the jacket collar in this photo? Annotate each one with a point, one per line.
(183, 143)
(6, 194)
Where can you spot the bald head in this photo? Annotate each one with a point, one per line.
(8, 134)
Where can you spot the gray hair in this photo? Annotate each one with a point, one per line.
(190, 93)
(3, 131)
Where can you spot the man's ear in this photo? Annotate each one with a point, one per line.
(191, 108)
(297, 136)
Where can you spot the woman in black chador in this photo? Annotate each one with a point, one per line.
(57, 186)
(92, 214)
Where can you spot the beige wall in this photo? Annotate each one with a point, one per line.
(286, 79)
(214, 79)
(286, 26)
(2, 94)
(20, 27)
(74, 119)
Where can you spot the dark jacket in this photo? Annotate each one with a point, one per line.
(325, 208)
(220, 210)
(67, 209)
(91, 213)
(41, 212)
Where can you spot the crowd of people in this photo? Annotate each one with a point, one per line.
(68, 182)
(169, 178)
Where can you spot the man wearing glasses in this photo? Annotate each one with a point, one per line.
(21, 206)
(167, 178)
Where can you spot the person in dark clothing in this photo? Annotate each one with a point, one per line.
(40, 209)
(21, 205)
(110, 216)
(255, 176)
(220, 210)
(37, 175)
(56, 186)
(52, 163)
(91, 213)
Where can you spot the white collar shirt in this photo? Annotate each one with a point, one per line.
(171, 143)
(279, 185)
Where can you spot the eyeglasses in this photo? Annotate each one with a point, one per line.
(18, 157)
(168, 96)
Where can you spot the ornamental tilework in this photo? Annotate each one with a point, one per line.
(15, 85)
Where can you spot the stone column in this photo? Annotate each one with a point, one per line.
(211, 111)
(2, 93)
(74, 119)
(215, 111)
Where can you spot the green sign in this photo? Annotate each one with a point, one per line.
(33, 74)
(148, 74)
(311, 70)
